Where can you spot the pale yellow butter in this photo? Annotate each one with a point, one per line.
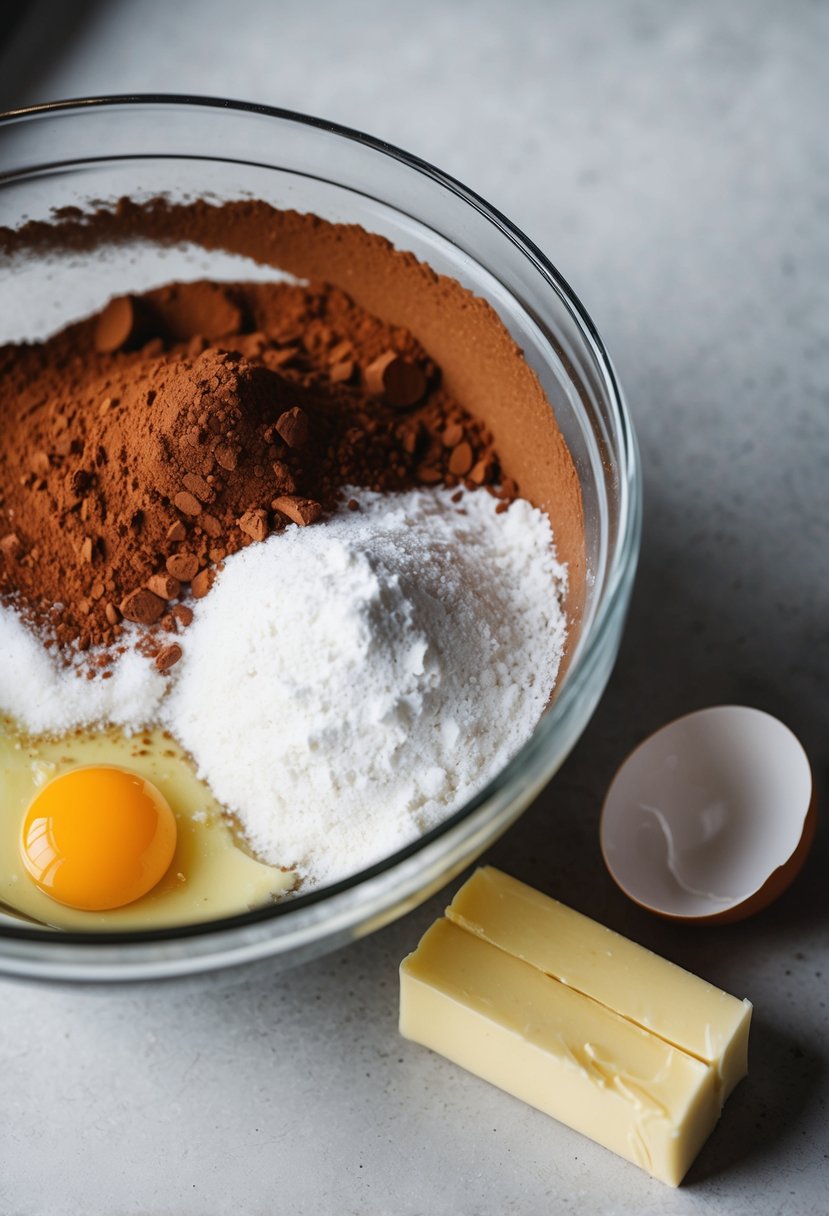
(648, 990)
(488, 989)
(557, 1050)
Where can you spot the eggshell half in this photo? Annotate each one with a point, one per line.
(712, 817)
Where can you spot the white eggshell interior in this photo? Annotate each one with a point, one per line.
(701, 814)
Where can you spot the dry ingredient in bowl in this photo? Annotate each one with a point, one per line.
(135, 457)
(344, 688)
(48, 693)
(256, 516)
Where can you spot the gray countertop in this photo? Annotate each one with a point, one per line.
(672, 160)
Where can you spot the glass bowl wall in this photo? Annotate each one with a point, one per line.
(71, 153)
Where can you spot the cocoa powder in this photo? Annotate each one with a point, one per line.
(143, 446)
(482, 368)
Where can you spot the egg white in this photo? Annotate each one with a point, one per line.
(211, 874)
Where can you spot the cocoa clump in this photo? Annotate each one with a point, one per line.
(143, 446)
(402, 382)
(164, 586)
(143, 607)
(168, 656)
(183, 566)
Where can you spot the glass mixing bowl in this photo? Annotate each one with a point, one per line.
(68, 154)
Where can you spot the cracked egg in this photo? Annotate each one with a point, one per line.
(710, 818)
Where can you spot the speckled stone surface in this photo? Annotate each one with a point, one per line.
(672, 160)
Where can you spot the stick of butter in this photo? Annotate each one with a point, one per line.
(488, 989)
(648, 990)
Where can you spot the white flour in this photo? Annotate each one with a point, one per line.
(345, 687)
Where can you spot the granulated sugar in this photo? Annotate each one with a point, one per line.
(47, 696)
(345, 687)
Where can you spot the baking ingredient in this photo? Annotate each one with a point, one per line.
(129, 472)
(210, 875)
(557, 1049)
(47, 693)
(712, 817)
(98, 837)
(481, 365)
(150, 449)
(344, 688)
(653, 993)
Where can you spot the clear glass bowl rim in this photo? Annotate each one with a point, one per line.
(615, 592)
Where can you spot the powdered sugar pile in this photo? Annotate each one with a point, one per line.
(345, 687)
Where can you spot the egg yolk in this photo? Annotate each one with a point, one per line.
(98, 838)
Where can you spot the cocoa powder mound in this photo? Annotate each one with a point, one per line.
(481, 365)
(144, 445)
